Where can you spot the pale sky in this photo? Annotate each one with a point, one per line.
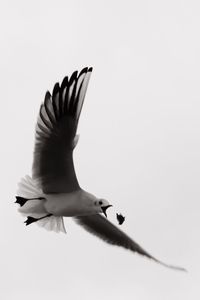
(139, 145)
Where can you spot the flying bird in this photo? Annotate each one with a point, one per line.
(53, 191)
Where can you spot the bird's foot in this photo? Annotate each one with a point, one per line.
(32, 219)
(21, 201)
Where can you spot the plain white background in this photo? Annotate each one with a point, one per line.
(139, 146)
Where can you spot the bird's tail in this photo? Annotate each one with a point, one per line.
(31, 200)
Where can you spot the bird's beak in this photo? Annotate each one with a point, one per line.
(104, 208)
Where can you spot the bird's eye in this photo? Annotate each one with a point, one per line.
(100, 202)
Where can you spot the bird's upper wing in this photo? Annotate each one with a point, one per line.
(56, 134)
(105, 230)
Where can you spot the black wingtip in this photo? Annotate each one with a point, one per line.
(84, 70)
(30, 220)
(56, 89)
(47, 95)
(64, 82)
(73, 77)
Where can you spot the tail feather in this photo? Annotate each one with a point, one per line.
(52, 224)
(29, 188)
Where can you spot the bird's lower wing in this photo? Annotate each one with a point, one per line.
(105, 230)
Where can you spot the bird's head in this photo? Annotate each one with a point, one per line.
(102, 205)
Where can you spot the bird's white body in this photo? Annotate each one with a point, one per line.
(77, 203)
(59, 205)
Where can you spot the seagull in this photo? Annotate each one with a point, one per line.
(53, 191)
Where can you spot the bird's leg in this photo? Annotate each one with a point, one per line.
(22, 201)
(32, 219)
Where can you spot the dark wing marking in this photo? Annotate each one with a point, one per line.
(56, 134)
(105, 230)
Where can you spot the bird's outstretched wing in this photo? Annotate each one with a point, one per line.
(105, 230)
(56, 134)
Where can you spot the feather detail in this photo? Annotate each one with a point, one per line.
(56, 135)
